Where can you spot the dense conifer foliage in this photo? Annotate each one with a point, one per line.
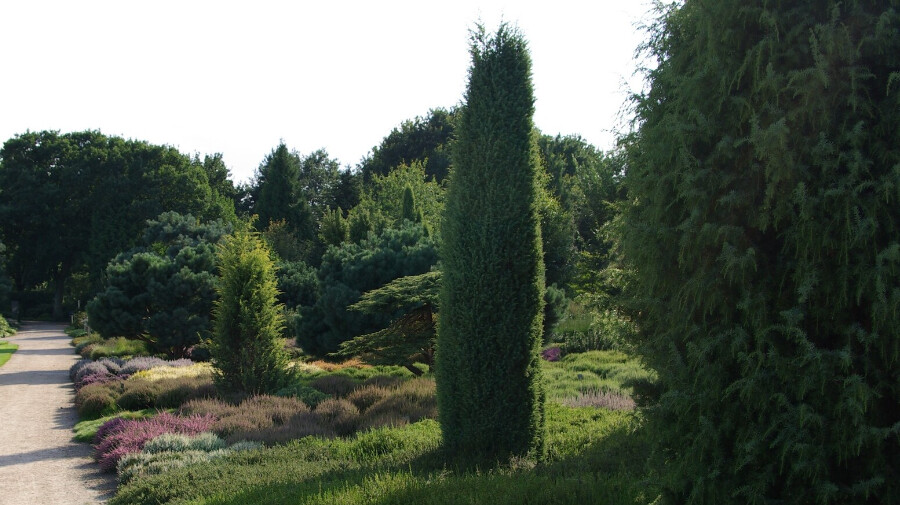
(162, 291)
(763, 239)
(246, 344)
(489, 383)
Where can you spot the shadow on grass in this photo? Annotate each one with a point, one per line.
(607, 470)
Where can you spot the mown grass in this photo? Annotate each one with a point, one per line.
(6, 351)
(594, 456)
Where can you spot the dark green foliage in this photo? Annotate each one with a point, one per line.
(297, 284)
(92, 194)
(163, 290)
(408, 211)
(490, 393)
(352, 269)
(421, 139)
(333, 229)
(246, 346)
(763, 238)
(410, 338)
(276, 188)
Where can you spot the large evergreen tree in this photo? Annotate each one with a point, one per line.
(764, 238)
(490, 394)
(276, 187)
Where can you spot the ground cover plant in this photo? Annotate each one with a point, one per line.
(118, 437)
(110, 384)
(594, 456)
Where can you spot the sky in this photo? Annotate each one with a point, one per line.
(237, 78)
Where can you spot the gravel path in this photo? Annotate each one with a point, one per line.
(39, 462)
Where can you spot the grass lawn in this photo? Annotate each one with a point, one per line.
(594, 456)
(6, 350)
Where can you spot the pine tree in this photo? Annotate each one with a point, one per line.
(490, 395)
(276, 188)
(763, 238)
(246, 346)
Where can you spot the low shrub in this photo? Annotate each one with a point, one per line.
(138, 464)
(409, 402)
(169, 451)
(334, 385)
(176, 391)
(97, 378)
(118, 347)
(307, 394)
(600, 399)
(119, 437)
(385, 381)
(96, 400)
(175, 372)
(267, 419)
(85, 340)
(84, 367)
(135, 365)
(340, 414)
(365, 396)
(6, 329)
(300, 425)
(138, 395)
(179, 442)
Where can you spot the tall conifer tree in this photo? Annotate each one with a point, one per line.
(764, 236)
(490, 395)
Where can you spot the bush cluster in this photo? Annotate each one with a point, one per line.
(105, 386)
(175, 450)
(119, 437)
(350, 407)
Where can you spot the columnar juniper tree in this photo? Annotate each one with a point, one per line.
(490, 396)
(764, 234)
(246, 346)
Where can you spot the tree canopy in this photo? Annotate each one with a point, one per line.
(74, 201)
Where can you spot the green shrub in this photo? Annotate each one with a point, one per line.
(85, 340)
(306, 394)
(5, 329)
(172, 393)
(96, 400)
(409, 402)
(177, 442)
(335, 385)
(340, 414)
(97, 348)
(365, 396)
(138, 395)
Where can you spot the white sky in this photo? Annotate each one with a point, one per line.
(237, 77)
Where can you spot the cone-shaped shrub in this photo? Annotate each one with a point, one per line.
(246, 346)
(489, 384)
(764, 238)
